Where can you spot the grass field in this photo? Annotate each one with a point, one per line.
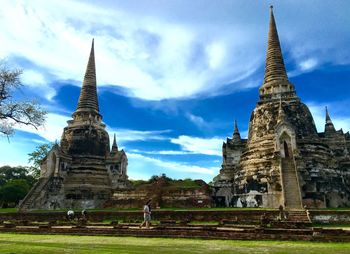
(21, 243)
(8, 210)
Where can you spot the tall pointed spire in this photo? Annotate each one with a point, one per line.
(276, 80)
(274, 69)
(329, 127)
(114, 145)
(236, 128)
(328, 118)
(88, 94)
(236, 136)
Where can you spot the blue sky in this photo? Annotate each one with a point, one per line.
(172, 75)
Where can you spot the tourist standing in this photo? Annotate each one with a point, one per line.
(70, 215)
(146, 214)
(84, 215)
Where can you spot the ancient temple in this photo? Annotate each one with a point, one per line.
(284, 160)
(82, 171)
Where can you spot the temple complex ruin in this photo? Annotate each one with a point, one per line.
(82, 171)
(284, 160)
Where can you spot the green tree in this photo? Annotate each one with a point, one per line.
(8, 173)
(15, 182)
(14, 112)
(13, 191)
(37, 156)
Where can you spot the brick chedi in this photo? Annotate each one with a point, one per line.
(81, 172)
(284, 161)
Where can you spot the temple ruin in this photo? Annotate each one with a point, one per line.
(284, 160)
(82, 171)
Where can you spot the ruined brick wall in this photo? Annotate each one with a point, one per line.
(241, 216)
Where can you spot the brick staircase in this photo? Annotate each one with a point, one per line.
(290, 185)
(33, 194)
(298, 216)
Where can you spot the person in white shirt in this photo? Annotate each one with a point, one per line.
(70, 215)
(146, 214)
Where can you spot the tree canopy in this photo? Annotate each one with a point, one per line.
(37, 156)
(13, 191)
(8, 173)
(15, 183)
(14, 112)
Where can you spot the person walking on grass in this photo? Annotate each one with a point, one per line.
(146, 214)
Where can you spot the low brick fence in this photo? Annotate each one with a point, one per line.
(244, 233)
(242, 216)
(238, 216)
(330, 217)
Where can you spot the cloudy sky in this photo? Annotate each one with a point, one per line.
(172, 75)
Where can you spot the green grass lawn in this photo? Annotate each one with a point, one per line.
(21, 243)
(8, 210)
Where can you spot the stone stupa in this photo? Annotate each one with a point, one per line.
(82, 171)
(284, 160)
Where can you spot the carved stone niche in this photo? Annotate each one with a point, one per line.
(285, 140)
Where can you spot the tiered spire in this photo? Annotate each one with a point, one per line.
(88, 94)
(329, 127)
(114, 145)
(274, 69)
(236, 136)
(276, 80)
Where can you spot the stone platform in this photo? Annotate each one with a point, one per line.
(189, 231)
(246, 217)
(212, 224)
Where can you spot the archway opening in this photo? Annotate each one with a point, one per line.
(286, 149)
(285, 145)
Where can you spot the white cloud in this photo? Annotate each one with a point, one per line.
(216, 53)
(55, 123)
(16, 151)
(127, 135)
(167, 166)
(161, 152)
(52, 130)
(161, 52)
(172, 152)
(196, 120)
(33, 78)
(38, 82)
(308, 64)
(208, 146)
